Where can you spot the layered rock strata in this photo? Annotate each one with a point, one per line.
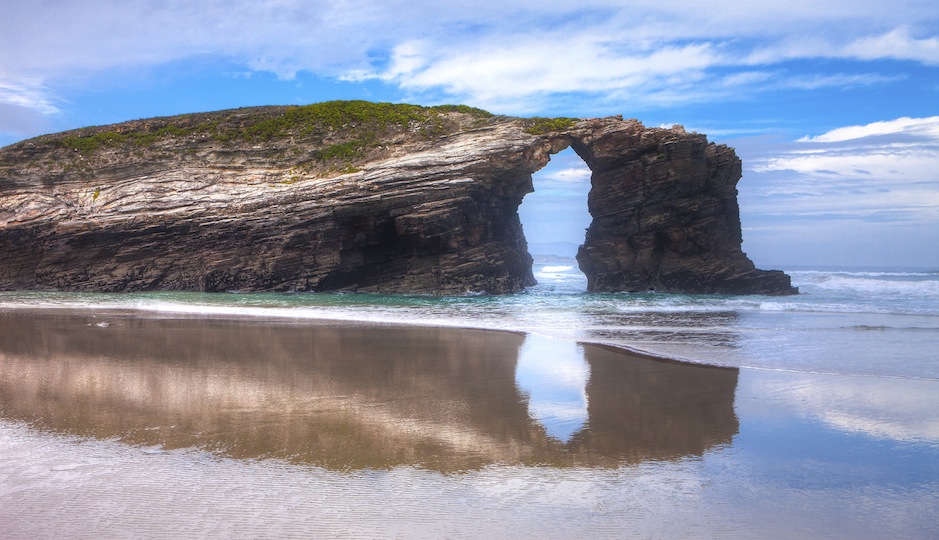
(665, 213)
(359, 196)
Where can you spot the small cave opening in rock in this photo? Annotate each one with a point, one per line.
(555, 219)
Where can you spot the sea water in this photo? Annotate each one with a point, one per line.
(232, 415)
(861, 321)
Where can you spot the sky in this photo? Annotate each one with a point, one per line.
(833, 106)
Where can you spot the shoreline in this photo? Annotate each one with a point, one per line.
(826, 336)
(275, 422)
(382, 396)
(95, 311)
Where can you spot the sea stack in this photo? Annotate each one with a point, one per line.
(362, 196)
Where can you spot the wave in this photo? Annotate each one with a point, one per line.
(320, 313)
(759, 304)
(831, 308)
(934, 274)
(555, 269)
(884, 288)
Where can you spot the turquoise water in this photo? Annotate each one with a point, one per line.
(846, 321)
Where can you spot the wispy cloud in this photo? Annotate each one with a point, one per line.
(854, 185)
(897, 44)
(28, 94)
(901, 151)
(25, 107)
(921, 129)
(509, 56)
(570, 174)
(510, 70)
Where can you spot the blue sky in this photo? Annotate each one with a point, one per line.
(832, 105)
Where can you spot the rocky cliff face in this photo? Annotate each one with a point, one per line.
(665, 214)
(360, 196)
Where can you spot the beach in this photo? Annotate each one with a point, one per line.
(118, 423)
(490, 270)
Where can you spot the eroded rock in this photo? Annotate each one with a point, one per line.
(358, 196)
(665, 214)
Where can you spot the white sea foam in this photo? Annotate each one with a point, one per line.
(796, 274)
(555, 269)
(668, 307)
(874, 285)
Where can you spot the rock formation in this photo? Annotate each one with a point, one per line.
(361, 196)
(665, 214)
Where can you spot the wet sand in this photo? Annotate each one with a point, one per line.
(117, 425)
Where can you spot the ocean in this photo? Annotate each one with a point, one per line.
(853, 321)
(237, 415)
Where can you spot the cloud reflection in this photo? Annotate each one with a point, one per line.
(903, 410)
(553, 374)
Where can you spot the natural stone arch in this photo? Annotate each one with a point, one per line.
(431, 208)
(664, 211)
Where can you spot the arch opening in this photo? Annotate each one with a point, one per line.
(555, 219)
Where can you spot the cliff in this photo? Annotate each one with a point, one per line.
(361, 196)
(665, 214)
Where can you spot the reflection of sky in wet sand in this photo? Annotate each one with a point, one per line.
(367, 431)
(902, 410)
(553, 374)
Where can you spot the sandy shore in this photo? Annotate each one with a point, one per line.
(115, 424)
(347, 395)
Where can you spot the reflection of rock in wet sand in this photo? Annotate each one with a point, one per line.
(647, 409)
(342, 396)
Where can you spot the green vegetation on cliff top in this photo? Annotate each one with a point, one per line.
(364, 120)
(89, 143)
(540, 126)
(337, 135)
(358, 124)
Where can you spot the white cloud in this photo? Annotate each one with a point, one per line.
(901, 151)
(928, 127)
(866, 186)
(554, 63)
(897, 44)
(511, 73)
(486, 52)
(881, 164)
(572, 174)
(28, 94)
